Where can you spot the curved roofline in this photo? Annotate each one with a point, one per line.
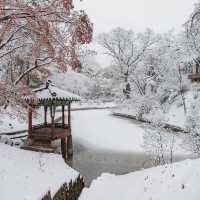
(51, 95)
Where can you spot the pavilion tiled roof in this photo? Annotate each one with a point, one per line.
(52, 95)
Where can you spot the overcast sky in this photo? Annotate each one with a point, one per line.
(159, 15)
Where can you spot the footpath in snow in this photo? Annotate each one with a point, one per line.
(178, 181)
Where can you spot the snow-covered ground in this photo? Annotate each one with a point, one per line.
(174, 182)
(26, 175)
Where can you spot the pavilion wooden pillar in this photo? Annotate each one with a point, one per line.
(45, 115)
(52, 111)
(63, 116)
(63, 140)
(63, 148)
(69, 137)
(69, 116)
(30, 121)
(196, 69)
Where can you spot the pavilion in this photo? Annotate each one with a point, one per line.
(41, 136)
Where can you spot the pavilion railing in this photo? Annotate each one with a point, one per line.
(48, 125)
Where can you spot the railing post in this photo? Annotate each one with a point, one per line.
(30, 118)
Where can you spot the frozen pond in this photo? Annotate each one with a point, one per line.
(103, 143)
(92, 163)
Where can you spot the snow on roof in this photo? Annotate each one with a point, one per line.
(51, 92)
(54, 92)
(26, 175)
(176, 181)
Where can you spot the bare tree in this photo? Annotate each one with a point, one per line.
(159, 145)
(193, 33)
(127, 49)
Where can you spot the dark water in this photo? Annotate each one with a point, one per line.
(91, 163)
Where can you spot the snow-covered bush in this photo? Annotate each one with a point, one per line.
(159, 145)
(102, 90)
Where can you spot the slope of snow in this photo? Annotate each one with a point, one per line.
(26, 175)
(174, 182)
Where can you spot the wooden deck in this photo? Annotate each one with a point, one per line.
(42, 135)
(44, 132)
